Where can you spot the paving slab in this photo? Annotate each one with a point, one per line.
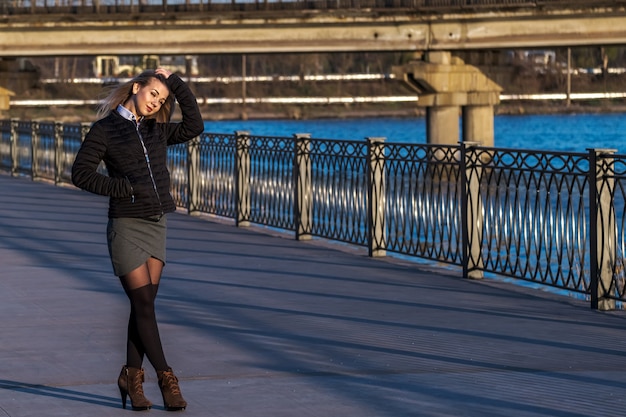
(256, 323)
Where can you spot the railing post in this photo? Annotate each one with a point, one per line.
(14, 148)
(194, 177)
(242, 178)
(303, 186)
(35, 147)
(376, 197)
(471, 210)
(58, 152)
(603, 233)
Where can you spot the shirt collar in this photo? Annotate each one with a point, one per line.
(126, 114)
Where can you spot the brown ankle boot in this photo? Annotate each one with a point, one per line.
(130, 384)
(172, 398)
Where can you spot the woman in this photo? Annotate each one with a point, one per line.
(131, 137)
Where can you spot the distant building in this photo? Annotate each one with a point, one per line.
(130, 65)
(540, 59)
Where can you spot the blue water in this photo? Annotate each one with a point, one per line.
(575, 133)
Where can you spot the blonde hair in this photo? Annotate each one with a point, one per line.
(121, 93)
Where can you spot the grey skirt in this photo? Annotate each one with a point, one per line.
(133, 241)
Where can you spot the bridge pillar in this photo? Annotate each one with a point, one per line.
(447, 87)
(478, 124)
(442, 124)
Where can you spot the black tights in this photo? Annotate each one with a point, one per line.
(141, 286)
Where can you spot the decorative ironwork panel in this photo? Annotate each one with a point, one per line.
(423, 201)
(5, 145)
(46, 151)
(24, 145)
(615, 168)
(339, 184)
(72, 139)
(271, 181)
(535, 225)
(217, 174)
(177, 165)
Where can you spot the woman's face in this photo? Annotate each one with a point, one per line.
(149, 98)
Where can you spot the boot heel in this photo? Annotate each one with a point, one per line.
(123, 394)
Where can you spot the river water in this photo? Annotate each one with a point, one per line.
(572, 132)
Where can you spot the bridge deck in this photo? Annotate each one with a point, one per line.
(524, 25)
(258, 324)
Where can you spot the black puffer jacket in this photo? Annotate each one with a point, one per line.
(115, 140)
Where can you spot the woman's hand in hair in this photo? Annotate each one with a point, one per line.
(164, 72)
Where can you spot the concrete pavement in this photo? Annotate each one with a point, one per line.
(256, 324)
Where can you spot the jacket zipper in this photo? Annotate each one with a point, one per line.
(147, 158)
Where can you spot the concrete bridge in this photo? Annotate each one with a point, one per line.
(433, 30)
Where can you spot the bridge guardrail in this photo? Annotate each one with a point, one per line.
(87, 7)
(551, 218)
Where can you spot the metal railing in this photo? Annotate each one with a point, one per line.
(86, 7)
(555, 219)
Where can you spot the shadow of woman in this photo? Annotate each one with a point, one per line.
(62, 393)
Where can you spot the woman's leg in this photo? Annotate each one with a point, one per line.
(141, 286)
